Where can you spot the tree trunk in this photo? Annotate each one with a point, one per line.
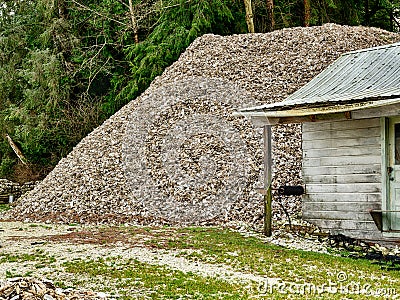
(134, 22)
(307, 13)
(16, 150)
(249, 16)
(270, 12)
(367, 13)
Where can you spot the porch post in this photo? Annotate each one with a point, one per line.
(267, 180)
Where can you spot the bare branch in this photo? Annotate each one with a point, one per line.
(97, 13)
(95, 74)
(16, 149)
(134, 22)
(123, 3)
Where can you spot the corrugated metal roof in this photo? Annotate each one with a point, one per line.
(360, 77)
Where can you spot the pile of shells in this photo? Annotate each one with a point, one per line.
(28, 186)
(32, 288)
(177, 155)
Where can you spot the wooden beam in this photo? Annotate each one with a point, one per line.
(383, 111)
(260, 121)
(316, 118)
(267, 180)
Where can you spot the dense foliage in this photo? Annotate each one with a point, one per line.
(67, 65)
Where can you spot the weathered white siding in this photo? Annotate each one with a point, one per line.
(342, 173)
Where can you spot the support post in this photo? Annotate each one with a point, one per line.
(267, 180)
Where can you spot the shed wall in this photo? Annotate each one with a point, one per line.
(342, 172)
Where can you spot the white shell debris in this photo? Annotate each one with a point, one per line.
(176, 154)
(33, 288)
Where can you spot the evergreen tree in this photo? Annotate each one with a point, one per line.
(179, 23)
(66, 66)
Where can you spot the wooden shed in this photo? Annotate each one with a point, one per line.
(350, 116)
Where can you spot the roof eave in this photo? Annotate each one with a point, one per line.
(312, 114)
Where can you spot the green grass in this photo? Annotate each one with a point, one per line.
(39, 225)
(36, 256)
(4, 207)
(156, 282)
(289, 274)
(252, 255)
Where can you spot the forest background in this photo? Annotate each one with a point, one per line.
(68, 65)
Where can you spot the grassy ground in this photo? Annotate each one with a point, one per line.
(272, 272)
(4, 207)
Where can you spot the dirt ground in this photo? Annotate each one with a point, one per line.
(43, 250)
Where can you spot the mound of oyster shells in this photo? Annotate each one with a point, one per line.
(177, 155)
(31, 288)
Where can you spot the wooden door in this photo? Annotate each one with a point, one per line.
(393, 171)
